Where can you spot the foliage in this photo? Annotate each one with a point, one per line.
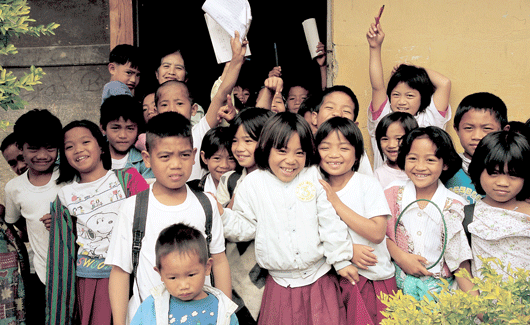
(14, 21)
(502, 300)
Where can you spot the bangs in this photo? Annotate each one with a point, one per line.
(504, 162)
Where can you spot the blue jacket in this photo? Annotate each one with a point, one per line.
(135, 160)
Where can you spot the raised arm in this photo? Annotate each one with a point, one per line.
(443, 89)
(322, 63)
(272, 86)
(375, 37)
(229, 81)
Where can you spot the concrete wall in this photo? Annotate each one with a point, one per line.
(74, 61)
(479, 45)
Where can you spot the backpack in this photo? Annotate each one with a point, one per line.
(140, 216)
(232, 182)
(469, 210)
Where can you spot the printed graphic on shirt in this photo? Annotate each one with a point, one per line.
(306, 191)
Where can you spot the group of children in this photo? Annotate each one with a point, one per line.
(154, 217)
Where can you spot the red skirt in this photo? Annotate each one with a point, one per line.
(314, 304)
(361, 300)
(93, 301)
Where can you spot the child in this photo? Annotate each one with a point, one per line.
(500, 226)
(174, 96)
(423, 93)
(216, 158)
(360, 202)
(150, 110)
(124, 69)
(13, 155)
(477, 115)
(84, 214)
(170, 155)
(28, 196)
(388, 134)
(298, 234)
(339, 101)
(182, 262)
(428, 157)
(120, 120)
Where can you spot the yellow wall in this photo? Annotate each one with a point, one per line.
(479, 45)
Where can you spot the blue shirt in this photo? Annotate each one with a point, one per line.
(461, 184)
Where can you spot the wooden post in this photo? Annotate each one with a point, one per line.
(121, 22)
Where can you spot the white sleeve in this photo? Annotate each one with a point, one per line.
(222, 194)
(217, 245)
(240, 223)
(375, 199)
(120, 248)
(12, 213)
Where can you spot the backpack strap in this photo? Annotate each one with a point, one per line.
(207, 207)
(140, 215)
(469, 210)
(232, 182)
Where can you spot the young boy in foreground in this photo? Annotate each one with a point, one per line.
(170, 155)
(183, 264)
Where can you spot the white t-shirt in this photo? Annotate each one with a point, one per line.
(365, 196)
(23, 199)
(386, 175)
(365, 167)
(159, 217)
(209, 185)
(430, 116)
(198, 131)
(120, 163)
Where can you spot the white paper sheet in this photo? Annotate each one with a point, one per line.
(311, 35)
(232, 15)
(220, 41)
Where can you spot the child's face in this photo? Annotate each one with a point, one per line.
(149, 107)
(171, 159)
(287, 162)
(337, 155)
(277, 105)
(390, 143)
(422, 166)
(171, 68)
(121, 135)
(243, 147)
(124, 73)
(500, 188)
(39, 159)
(183, 275)
(334, 104)
(82, 151)
(405, 99)
(219, 163)
(475, 125)
(175, 98)
(15, 159)
(241, 94)
(295, 97)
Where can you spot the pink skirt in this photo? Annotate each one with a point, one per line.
(314, 304)
(93, 301)
(361, 300)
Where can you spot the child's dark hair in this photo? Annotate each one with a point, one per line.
(407, 122)
(444, 149)
(182, 239)
(67, 173)
(351, 132)
(123, 106)
(416, 78)
(171, 83)
(310, 103)
(123, 53)
(252, 119)
(276, 134)
(498, 151)
(214, 140)
(484, 102)
(343, 89)
(168, 124)
(38, 128)
(9, 140)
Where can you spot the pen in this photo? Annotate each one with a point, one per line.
(380, 13)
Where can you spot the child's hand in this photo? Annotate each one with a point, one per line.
(414, 265)
(351, 274)
(275, 72)
(375, 35)
(274, 84)
(47, 220)
(227, 112)
(321, 51)
(363, 256)
(238, 49)
(332, 196)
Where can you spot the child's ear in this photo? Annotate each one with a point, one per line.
(314, 120)
(102, 130)
(194, 109)
(112, 68)
(147, 158)
(445, 167)
(157, 270)
(203, 157)
(156, 74)
(209, 266)
(193, 153)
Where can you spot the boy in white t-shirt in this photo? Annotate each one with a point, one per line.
(39, 135)
(170, 155)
